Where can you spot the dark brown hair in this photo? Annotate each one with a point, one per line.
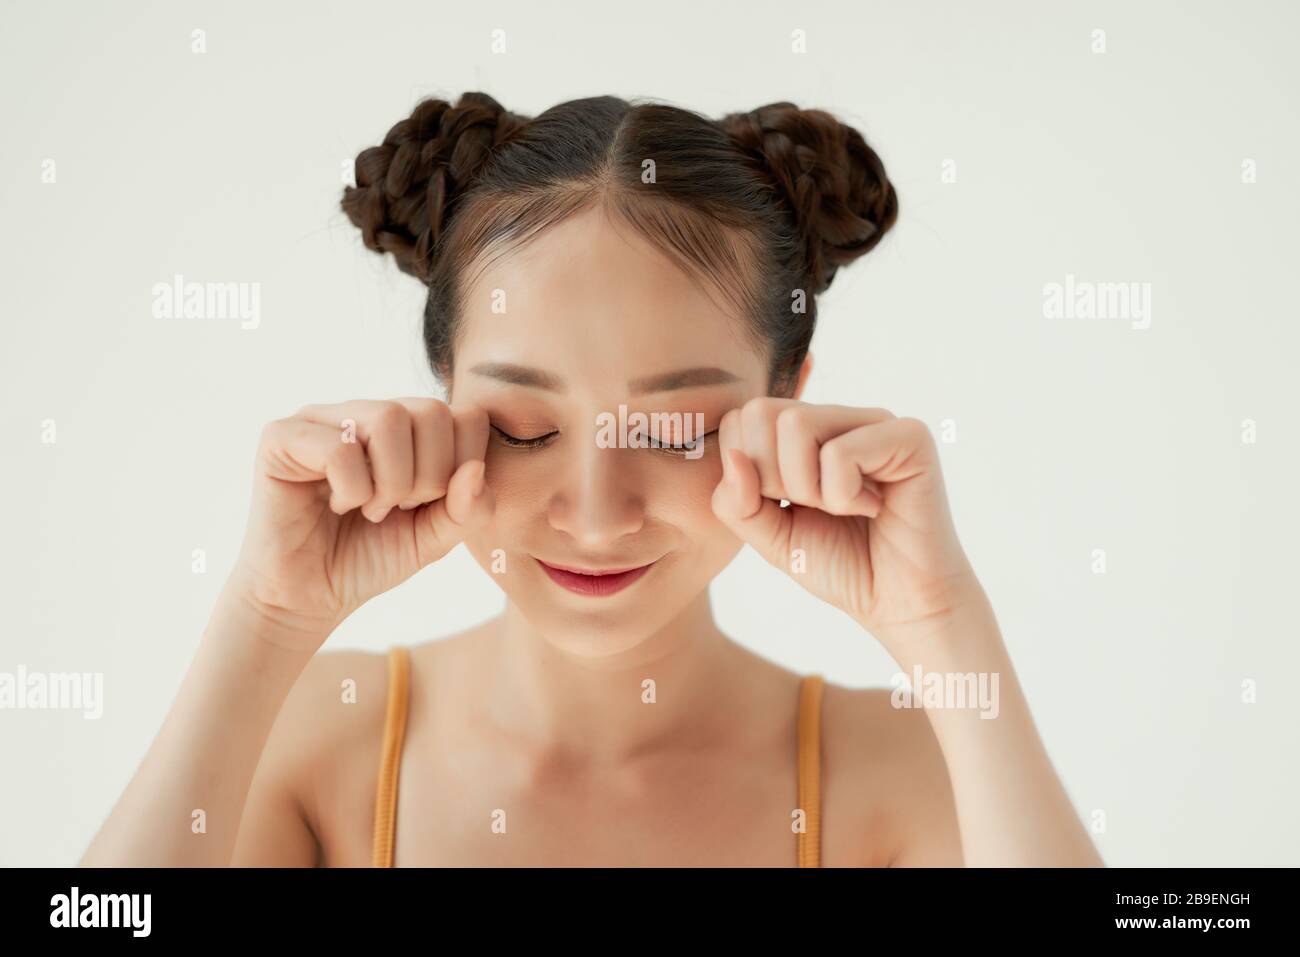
(757, 205)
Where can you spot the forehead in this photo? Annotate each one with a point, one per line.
(596, 302)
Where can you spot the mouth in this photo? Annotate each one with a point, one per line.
(596, 582)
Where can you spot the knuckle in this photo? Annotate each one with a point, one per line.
(755, 412)
(425, 410)
(434, 420)
(273, 434)
(792, 419)
(832, 454)
(439, 412)
(915, 428)
(392, 416)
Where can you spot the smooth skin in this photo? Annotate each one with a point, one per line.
(536, 717)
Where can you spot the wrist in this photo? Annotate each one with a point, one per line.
(963, 632)
(263, 630)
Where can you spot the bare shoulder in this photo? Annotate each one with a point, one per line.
(329, 734)
(330, 730)
(884, 769)
(339, 693)
(309, 800)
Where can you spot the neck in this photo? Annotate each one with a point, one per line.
(557, 705)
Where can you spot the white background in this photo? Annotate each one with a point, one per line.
(1122, 166)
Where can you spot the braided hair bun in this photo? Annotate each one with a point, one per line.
(408, 185)
(824, 172)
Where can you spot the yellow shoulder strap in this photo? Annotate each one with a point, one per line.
(399, 670)
(810, 783)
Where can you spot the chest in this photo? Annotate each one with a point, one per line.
(461, 806)
(462, 801)
(679, 809)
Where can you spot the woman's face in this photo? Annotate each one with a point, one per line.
(556, 336)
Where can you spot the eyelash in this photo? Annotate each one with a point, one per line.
(541, 440)
(515, 443)
(679, 450)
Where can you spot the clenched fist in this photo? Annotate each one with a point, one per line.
(352, 499)
(868, 528)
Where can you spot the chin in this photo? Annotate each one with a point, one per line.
(592, 632)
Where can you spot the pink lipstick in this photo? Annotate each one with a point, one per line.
(591, 582)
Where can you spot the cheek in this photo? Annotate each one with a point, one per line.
(677, 493)
(705, 544)
(693, 484)
(691, 504)
(519, 481)
(518, 493)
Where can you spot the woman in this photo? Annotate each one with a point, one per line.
(601, 263)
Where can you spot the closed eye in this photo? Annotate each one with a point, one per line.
(515, 442)
(677, 449)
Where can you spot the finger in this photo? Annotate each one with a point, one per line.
(387, 437)
(738, 501)
(885, 452)
(796, 456)
(434, 452)
(299, 450)
(468, 506)
(801, 431)
(384, 430)
(470, 433)
(758, 441)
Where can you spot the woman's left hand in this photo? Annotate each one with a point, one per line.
(868, 527)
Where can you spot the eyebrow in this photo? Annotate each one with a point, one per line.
(662, 382)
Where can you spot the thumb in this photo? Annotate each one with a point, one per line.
(739, 504)
(468, 505)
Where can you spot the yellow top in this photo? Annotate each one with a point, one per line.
(399, 673)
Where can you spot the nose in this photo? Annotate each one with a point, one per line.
(598, 500)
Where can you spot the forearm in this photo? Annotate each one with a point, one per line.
(1012, 809)
(204, 756)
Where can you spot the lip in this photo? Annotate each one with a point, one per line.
(594, 582)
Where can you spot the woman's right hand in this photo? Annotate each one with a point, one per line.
(352, 499)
